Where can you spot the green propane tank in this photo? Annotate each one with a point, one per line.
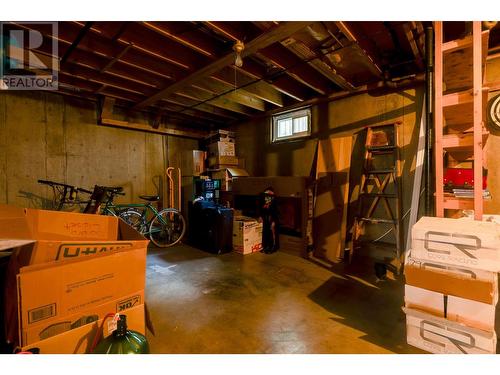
(123, 341)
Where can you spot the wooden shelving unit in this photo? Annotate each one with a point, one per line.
(459, 112)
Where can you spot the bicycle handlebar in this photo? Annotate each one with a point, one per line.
(53, 184)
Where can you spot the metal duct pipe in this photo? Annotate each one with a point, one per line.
(429, 138)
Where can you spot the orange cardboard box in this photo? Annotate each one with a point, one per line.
(64, 235)
(467, 283)
(79, 340)
(69, 239)
(43, 331)
(47, 292)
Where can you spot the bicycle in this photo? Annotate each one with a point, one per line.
(164, 228)
(65, 194)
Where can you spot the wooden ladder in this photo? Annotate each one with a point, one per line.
(386, 187)
(459, 110)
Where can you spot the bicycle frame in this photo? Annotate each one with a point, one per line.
(145, 218)
(147, 208)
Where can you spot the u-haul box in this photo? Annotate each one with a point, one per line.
(459, 281)
(64, 263)
(466, 243)
(440, 336)
(42, 331)
(79, 340)
(48, 292)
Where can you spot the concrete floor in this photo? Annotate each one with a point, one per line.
(279, 303)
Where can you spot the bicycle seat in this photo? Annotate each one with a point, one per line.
(150, 198)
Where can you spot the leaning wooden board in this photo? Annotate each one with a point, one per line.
(330, 212)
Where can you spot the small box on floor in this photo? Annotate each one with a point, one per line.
(247, 235)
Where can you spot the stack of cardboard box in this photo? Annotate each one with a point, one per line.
(221, 149)
(451, 288)
(222, 160)
(67, 272)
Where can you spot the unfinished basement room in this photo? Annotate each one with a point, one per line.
(249, 187)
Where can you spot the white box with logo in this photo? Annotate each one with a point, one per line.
(468, 243)
(247, 235)
(440, 336)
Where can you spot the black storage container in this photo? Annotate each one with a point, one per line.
(210, 227)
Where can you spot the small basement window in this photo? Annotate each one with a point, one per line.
(291, 125)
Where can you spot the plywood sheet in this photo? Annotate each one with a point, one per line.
(330, 213)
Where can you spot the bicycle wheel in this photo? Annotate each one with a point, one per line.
(133, 218)
(167, 228)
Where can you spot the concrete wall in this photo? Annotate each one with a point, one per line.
(54, 137)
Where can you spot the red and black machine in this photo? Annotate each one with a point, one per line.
(461, 178)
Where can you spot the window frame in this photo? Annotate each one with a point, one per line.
(296, 113)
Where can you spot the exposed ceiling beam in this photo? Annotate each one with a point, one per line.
(189, 103)
(281, 32)
(197, 134)
(294, 66)
(352, 38)
(303, 51)
(77, 40)
(280, 81)
(217, 87)
(259, 89)
(195, 93)
(116, 58)
(198, 42)
(419, 79)
(408, 31)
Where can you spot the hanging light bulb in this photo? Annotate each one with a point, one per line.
(238, 47)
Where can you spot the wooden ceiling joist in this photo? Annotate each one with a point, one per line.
(408, 31)
(103, 47)
(192, 92)
(284, 84)
(242, 97)
(304, 52)
(179, 32)
(275, 35)
(295, 67)
(352, 38)
(259, 89)
(77, 40)
(193, 112)
(281, 82)
(188, 103)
